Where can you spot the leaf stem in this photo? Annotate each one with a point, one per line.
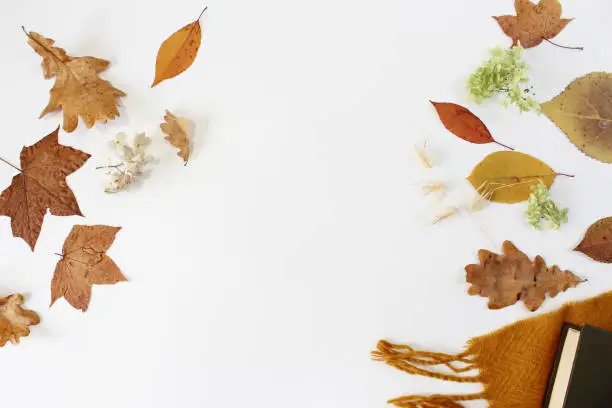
(563, 46)
(202, 13)
(565, 175)
(12, 165)
(114, 166)
(60, 255)
(503, 145)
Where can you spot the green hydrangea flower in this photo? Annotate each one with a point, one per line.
(540, 206)
(504, 73)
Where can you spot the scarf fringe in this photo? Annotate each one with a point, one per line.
(435, 401)
(419, 362)
(412, 361)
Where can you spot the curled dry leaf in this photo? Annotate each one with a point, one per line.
(177, 130)
(507, 177)
(15, 321)
(78, 90)
(533, 23)
(464, 124)
(505, 279)
(41, 186)
(178, 52)
(84, 263)
(583, 111)
(597, 241)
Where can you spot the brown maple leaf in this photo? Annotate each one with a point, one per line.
(84, 263)
(176, 130)
(506, 279)
(533, 23)
(14, 320)
(41, 186)
(78, 90)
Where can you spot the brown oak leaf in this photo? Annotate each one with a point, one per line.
(533, 23)
(84, 263)
(15, 321)
(505, 279)
(41, 186)
(176, 130)
(78, 90)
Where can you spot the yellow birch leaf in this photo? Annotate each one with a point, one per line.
(583, 111)
(178, 52)
(176, 130)
(507, 176)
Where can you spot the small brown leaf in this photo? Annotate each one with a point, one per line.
(178, 52)
(84, 263)
(14, 320)
(78, 90)
(464, 124)
(41, 185)
(506, 279)
(176, 130)
(533, 23)
(597, 241)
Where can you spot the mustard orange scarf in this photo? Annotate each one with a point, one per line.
(513, 363)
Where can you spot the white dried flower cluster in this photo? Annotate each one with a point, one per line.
(132, 158)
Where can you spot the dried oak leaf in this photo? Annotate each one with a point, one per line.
(507, 176)
(176, 130)
(178, 51)
(505, 279)
(15, 321)
(41, 186)
(78, 90)
(597, 241)
(84, 263)
(583, 111)
(464, 124)
(533, 23)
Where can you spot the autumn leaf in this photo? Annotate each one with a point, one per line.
(176, 130)
(597, 241)
(178, 52)
(84, 263)
(41, 186)
(533, 23)
(583, 111)
(505, 279)
(78, 90)
(15, 321)
(507, 177)
(464, 124)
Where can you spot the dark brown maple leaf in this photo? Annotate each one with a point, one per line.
(505, 279)
(41, 186)
(533, 23)
(84, 263)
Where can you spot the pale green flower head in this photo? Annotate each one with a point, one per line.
(504, 73)
(541, 207)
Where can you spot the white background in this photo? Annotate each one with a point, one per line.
(264, 272)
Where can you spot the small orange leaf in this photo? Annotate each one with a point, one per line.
(597, 241)
(178, 52)
(464, 124)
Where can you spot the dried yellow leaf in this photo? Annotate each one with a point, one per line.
(78, 90)
(178, 52)
(176, 130)
(584, 112)
(507, 176)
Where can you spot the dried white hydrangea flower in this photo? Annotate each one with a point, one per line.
(131, 162)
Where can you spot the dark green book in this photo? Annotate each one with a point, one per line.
(582, 373)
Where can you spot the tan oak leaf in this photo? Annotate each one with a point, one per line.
(78, 90)
(176, 130)
(41, 186)
(14, 320)
(505, 279)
